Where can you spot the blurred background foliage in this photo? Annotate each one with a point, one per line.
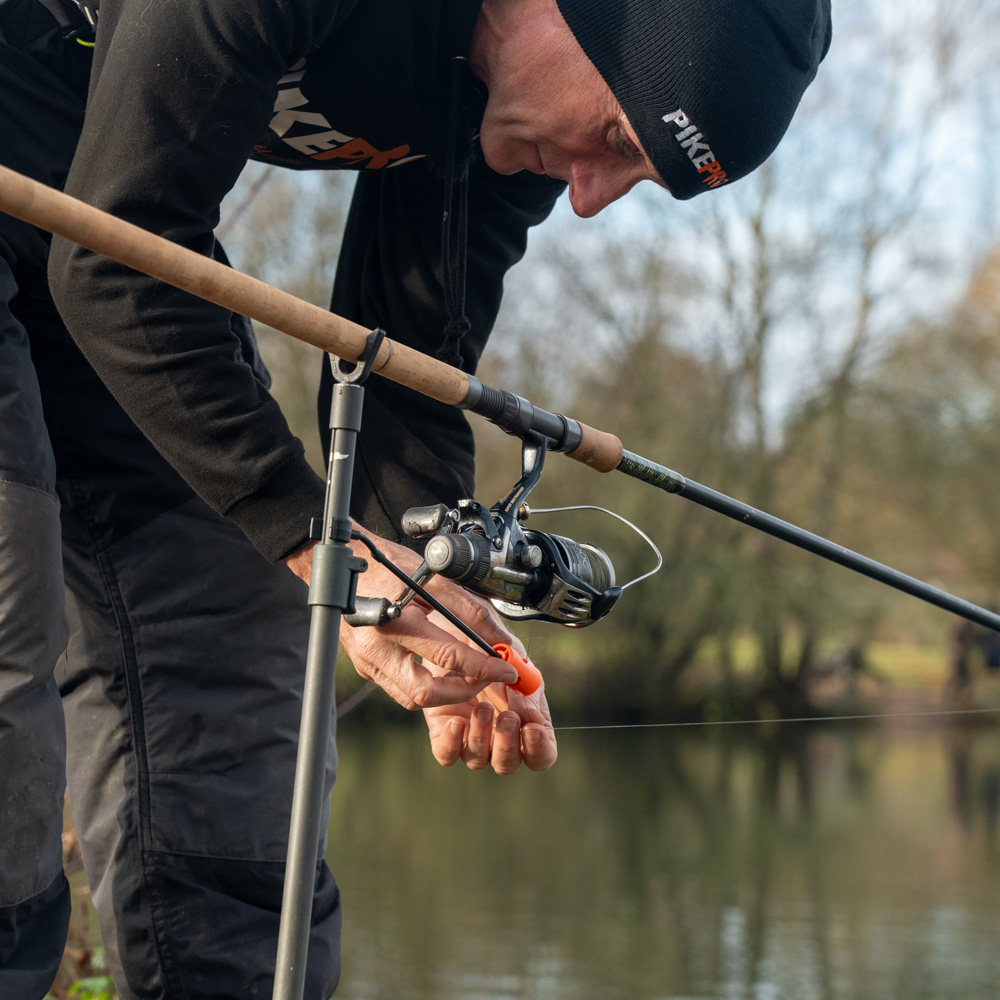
(820, 340)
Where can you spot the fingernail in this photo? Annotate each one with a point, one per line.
(531, 736)
(510, 677)
(508, 724)
(483, 714)
(455, 727)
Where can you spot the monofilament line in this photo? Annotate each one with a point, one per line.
(761, 722)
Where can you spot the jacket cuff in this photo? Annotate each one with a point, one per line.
(276, 517)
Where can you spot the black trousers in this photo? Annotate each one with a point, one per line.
(181, 676)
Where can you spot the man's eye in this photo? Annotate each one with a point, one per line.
(623, 144)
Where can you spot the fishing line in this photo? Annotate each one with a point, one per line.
(761, 722)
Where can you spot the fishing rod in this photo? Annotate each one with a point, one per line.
(65, 216)
(526, 574)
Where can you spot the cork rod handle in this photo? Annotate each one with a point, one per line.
(65, 216)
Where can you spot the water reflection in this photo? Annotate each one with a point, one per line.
(835, 864)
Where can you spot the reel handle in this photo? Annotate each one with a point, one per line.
(529, 677)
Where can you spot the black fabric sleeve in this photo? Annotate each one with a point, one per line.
(179, 92)
(413, 450)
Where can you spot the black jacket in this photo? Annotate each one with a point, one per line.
(182, 93)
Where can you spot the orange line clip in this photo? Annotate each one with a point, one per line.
(529, 677)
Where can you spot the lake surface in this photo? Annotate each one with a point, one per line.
(855, 862)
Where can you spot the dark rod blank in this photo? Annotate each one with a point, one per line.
(672, 482)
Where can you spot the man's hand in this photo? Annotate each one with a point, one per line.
(498, 728)
(470, 713)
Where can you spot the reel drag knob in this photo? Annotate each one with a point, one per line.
(464, 558)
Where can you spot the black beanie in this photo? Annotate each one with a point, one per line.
(708, 85)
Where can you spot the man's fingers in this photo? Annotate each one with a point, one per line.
(447, 734)
(477, 752)
(483, 736)
(414, 686)
(538, 739)
(473, 611)
(540, 749)
(506, 757)
(391, 665)
(496, 741)
(445, 651)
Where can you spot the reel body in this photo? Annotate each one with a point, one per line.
(527, 575)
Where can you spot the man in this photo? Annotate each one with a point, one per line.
(181, 677)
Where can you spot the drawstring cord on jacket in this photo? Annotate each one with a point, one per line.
(454, 231)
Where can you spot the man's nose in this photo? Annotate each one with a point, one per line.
(593, 188)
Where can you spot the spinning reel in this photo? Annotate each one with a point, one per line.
(527, 575)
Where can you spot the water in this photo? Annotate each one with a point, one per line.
(807, 863)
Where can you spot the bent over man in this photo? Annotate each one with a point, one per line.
(142, 458)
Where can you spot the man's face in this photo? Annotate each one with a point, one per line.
(550, 111)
